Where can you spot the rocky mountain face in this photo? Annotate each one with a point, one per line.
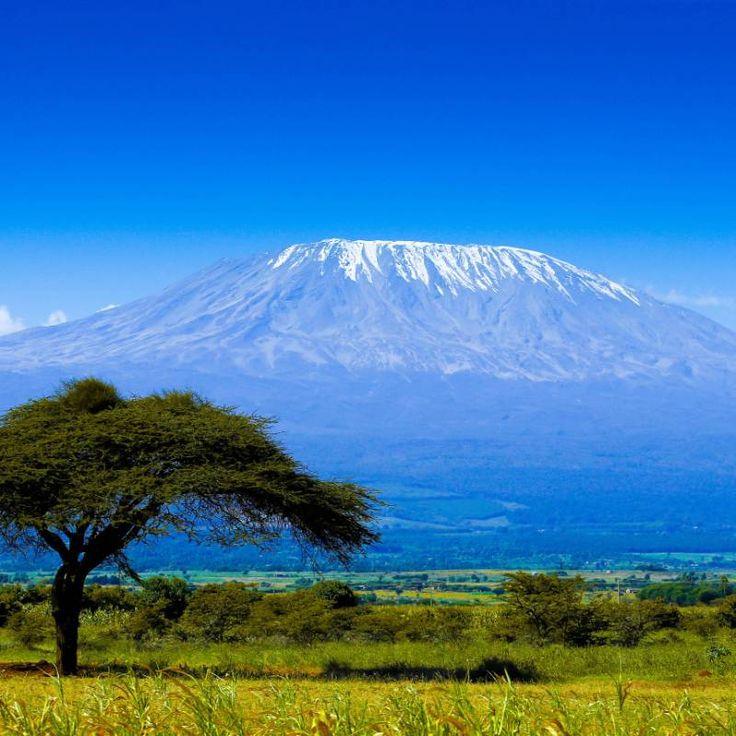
(394, 307)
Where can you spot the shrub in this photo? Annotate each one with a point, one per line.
(108, 598)
(158, 605)
(628, 623)
(148, 622)
(169, 596)
(302, 617)
(215, 612)
(380, 623)
(727, 612)
(14, 597)
(701, 621)
(686, 592)
(545, 609)
(32, 624)
(336, 593)
(11, 601)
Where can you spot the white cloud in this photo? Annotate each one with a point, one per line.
(107, 308)
(57, 317)
(673, 296)
(720, 307)
(8, 323)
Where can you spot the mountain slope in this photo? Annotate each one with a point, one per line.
(399, 307)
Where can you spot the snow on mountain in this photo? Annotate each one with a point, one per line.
(392, 306)
(444, 267)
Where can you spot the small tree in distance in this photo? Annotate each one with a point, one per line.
(86, 472)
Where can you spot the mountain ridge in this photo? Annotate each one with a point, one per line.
(466, 266)
(401, 306)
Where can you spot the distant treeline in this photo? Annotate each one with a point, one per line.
(688, 592)
(541, 609)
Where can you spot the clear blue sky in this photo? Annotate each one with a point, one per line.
(140, 141)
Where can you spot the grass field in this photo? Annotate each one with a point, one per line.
(666, 686)
(664, 662)
(180, 705)
(475, 684)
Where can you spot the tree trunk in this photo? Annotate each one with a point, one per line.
(66, 605)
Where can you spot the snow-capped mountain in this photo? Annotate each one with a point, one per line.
(397, 307)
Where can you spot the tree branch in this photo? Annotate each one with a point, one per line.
(55, 542)
(114, 537)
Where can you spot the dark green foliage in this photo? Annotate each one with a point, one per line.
(628, 623)
(14, 597)
(108, 470)
(159, 604)
(236, 612)
(337, 594)
(37, 594)
(727, 612)
(547, 608)
(108, 598)
(219, 612)
(11, 601)
(89, 395)
(702, 621)
(686, 592)
(31, 624)
(147, 623)
(169, 595)
(301, 617)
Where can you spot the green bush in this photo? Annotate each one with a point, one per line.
(628, 623)
(727, 612)
(338, 594)
(148, 622)
(701, 620)
(547, 609)
(218, 612)
(160, 602)
(301, 617)
(108, 598)
(686, 592)
(11, 601)
(14, 597)
(32, 624)
(169, 596)
(235, 612)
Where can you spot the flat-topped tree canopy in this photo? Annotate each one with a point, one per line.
(86, 471)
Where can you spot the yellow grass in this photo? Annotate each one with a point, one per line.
(33, 704)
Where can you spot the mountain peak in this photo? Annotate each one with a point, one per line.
(402, 307)
(446, 267)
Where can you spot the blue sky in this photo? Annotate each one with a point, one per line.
(141, 141)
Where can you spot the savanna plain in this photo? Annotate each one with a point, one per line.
(562, 653)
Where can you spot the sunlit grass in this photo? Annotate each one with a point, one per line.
(671, 658)
(670, 684)
(213, 706)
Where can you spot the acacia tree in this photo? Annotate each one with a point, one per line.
(86, 472)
